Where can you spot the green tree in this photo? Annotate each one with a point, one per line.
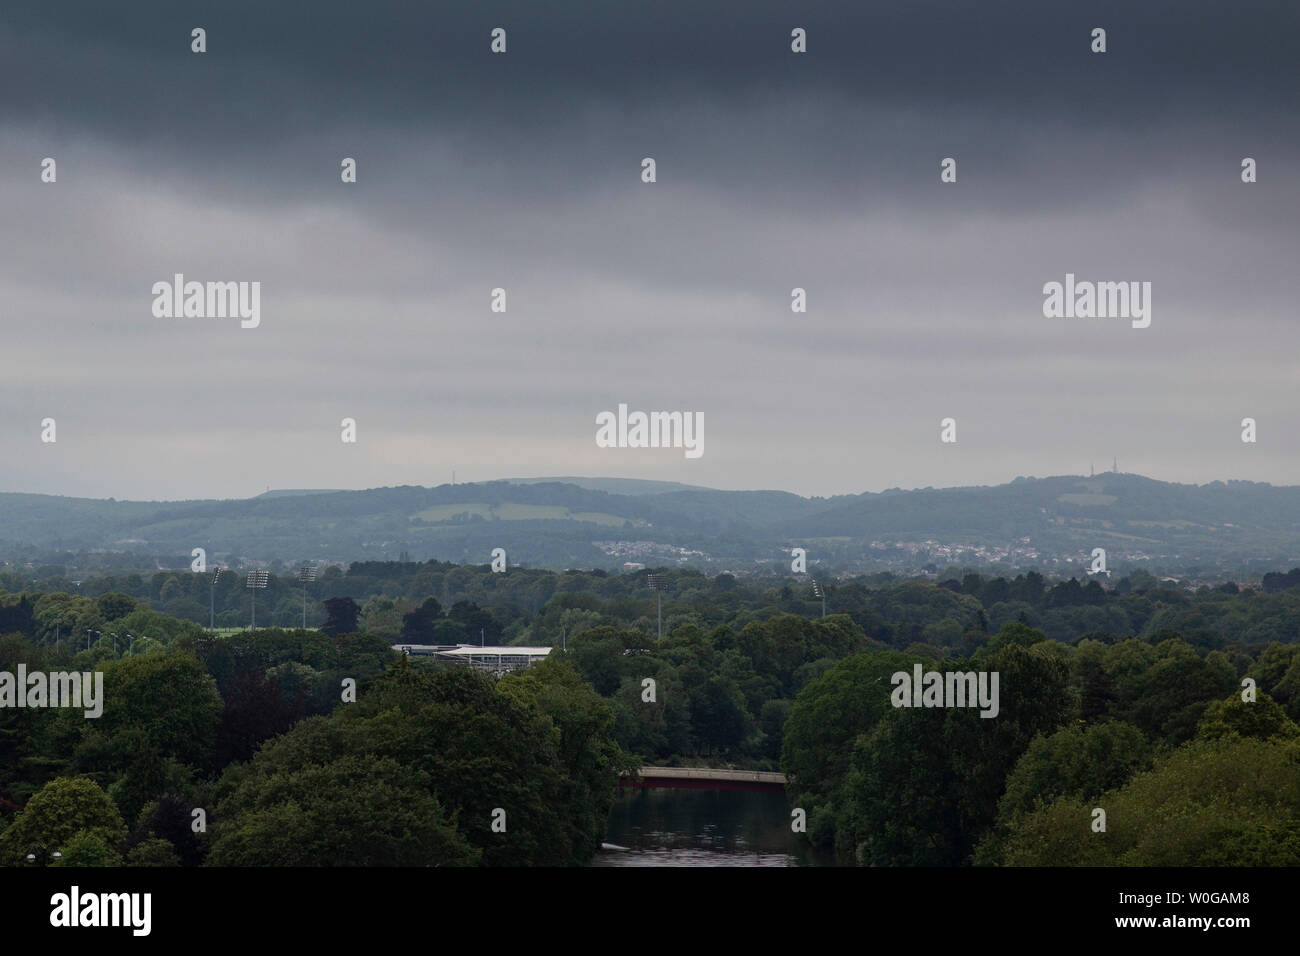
(604, 656)
(924, 785)
(1262, 719)
(89, 849)
(153, 852)
(420, 625)
(1078, 762)
(63, 809)
(590, 758)
(825, 720)
(354, 809)
(453, 746)
(342, 616)
(901, 800)
(1074, 761)
(168, 699)
(1233, 801)
(655, 730)
(1165, 698)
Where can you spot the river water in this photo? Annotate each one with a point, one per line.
(702, 828)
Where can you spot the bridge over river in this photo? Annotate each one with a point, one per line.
(704, 778)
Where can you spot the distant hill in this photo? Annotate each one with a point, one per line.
(1110, 501)
(1049, 523)
(615, 486)
(290, 492)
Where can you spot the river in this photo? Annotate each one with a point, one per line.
(702, 828)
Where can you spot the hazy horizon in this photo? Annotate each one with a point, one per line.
(690, 485)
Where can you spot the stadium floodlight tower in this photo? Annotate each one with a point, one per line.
(659, 584)
(820, 592)
(257, 580)
(306, 574)
(212, 598)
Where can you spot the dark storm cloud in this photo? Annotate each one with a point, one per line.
(1015, 52)
(709, 88)
(125, 70)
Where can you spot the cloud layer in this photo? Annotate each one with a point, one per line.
(775, 170)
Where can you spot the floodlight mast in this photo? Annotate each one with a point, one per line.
(257, 580)
(820, 592)
(659, 584)
(306, 574)
(212, 598)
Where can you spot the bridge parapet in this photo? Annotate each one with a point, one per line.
(705, 778)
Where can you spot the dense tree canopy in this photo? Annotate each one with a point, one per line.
(1230, 801)
(1104, 693)
(420, 769)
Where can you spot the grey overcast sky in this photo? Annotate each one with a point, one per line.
(522, 170)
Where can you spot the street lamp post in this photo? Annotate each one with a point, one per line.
(257, 580)
(41, 848)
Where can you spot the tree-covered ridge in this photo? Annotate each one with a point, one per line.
(1211, 531)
